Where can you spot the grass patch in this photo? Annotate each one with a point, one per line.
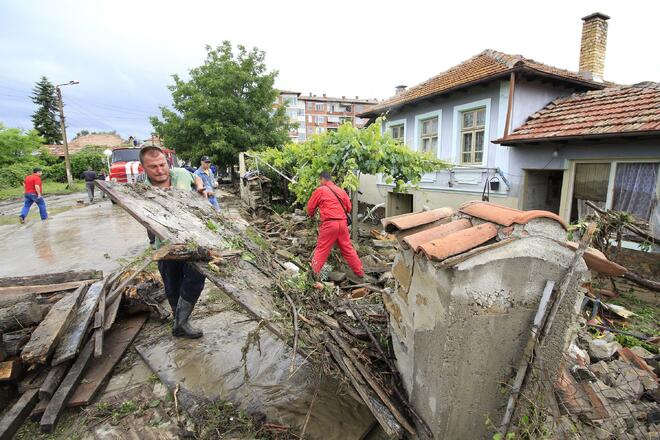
(50, 188)
(222, 420)
(645, 321)
(257, 239)
(72, 426)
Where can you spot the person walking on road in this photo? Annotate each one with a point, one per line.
(208, 177)
(89, 176)
(183, 283)
(33, 194)
(334, 207)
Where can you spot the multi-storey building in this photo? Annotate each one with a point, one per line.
(317, 114)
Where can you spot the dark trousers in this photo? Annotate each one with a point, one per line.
(181, 279)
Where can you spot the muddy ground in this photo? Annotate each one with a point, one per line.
(209, 374)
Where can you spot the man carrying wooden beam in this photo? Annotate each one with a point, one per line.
(183, 283)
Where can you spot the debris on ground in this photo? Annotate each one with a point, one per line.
(54, 359)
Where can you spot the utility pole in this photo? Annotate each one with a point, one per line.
(67, 161)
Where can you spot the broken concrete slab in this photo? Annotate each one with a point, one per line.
(600, 349)
(211, 367)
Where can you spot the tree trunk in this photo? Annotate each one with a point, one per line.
(20, 315)
(355, 227)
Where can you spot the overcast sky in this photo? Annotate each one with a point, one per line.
(123, 52)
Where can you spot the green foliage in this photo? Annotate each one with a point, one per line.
(225, 107)
(13, 175)
(18, 146)
(87, 157)
(45, 119)
(347, 153)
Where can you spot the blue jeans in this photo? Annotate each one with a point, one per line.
(213, 201)
(31, 198)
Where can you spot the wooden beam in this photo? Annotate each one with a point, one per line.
(51, 278)
(48, 334)
(16, 340)
(53, 380)
(73, 338)
(46, 288)
(99, 321)
(389, 424)
(15, 417)
(509, 107)
(11, 370)
(116, 341)
(9, 299)
(61, 396)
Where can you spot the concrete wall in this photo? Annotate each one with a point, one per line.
(459, 332)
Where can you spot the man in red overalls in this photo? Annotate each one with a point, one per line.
(334, 206)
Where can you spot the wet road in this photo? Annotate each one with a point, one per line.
(75, 237)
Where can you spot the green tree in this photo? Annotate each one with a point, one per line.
(18, 146)
(225, 107)
(346, 154)
(45, 119)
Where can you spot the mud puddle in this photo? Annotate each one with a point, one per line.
(89, 237)
(211, 368)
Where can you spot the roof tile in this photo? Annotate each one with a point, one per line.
(598, 262)
(504, 215)
(419, 238)
(485, 65)
(458, 242)
(407, 221)
(613, 110)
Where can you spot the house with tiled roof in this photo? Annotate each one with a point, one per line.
(527, 135)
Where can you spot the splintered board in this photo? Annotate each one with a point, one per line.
(72, 340)
(51, 278)
(46, 336)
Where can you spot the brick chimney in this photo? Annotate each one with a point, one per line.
(593, 45)
(399, 89)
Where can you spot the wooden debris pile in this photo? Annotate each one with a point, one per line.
(60, 338)
(261, 265)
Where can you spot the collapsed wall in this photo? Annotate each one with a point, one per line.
(469, 285)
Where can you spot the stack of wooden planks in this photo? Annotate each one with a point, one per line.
(51, 327)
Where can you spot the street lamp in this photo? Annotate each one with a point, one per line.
(67, 161)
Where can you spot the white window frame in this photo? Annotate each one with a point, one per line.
(567, 204)
(417, 130)
(403, 122)
(456, 133)
(317, 105)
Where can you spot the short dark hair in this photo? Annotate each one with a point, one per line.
(36, 169)
(146, 150)
(325, 175)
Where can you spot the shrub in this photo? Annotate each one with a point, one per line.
(13, 175)
(88, 157)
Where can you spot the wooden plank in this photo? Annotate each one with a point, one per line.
(386, 420)
(11, 370)
(73, 338)
(117, 340)
(46, 336)
(48, 288)
(3, 352)
(15, 417)
(61, 396)
(18, 316)
(51, 278)
(33, 379)
(99, 319)
(53, 380)
(111, 314)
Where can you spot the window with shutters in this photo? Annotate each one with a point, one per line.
(473, 127)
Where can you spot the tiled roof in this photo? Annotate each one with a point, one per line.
(611, 111)
(484, 66)
(477, 226)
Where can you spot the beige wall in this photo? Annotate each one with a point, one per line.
(374, 194)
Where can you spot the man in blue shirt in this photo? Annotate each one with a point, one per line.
(209, 179)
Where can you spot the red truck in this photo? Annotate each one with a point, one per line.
(125, 163)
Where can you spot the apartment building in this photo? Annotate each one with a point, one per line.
(318, 114)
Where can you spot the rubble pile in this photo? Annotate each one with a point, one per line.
(63, 335)
(608, 391)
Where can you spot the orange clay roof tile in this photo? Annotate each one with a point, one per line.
(419, 238)
(407, 221)
(504, 215)
(598, 262)
(458, 242)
